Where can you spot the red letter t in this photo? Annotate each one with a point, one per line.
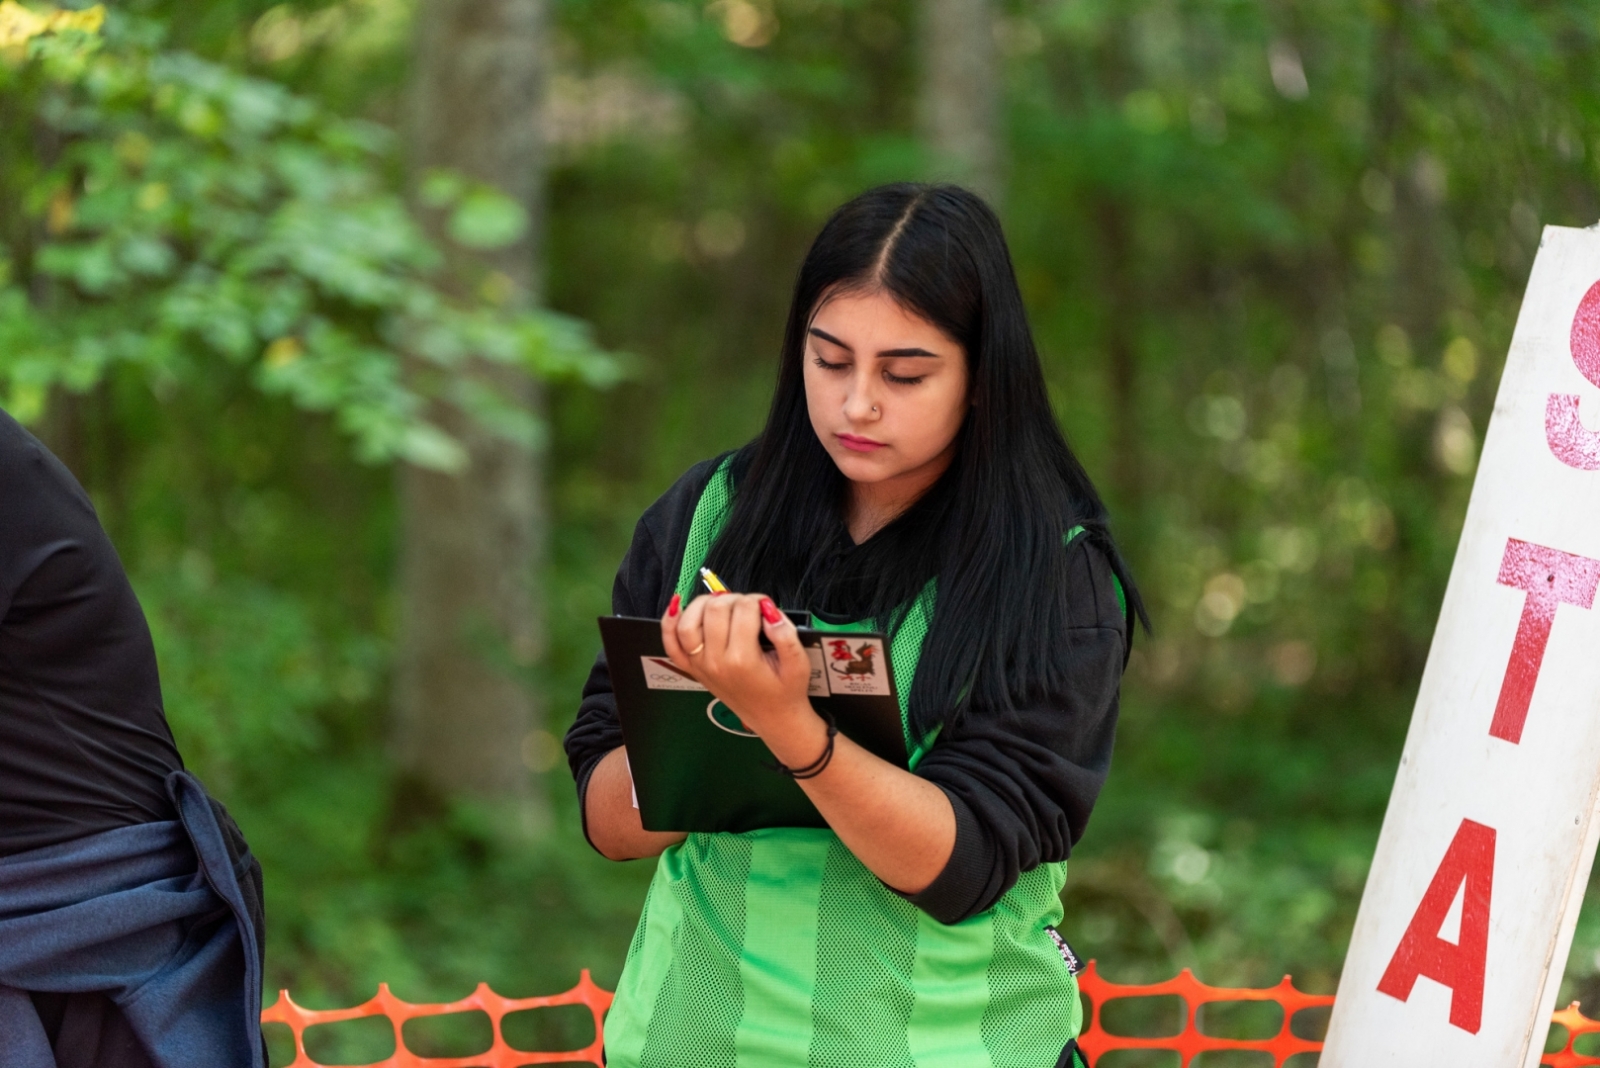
(1550, 577)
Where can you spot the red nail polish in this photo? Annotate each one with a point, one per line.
(672, 605)
(769, 611)
(718, 593)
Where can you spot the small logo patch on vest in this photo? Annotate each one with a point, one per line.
(1074, 965)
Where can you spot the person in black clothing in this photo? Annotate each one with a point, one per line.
(130, 907)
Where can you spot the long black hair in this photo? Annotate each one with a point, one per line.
(990, 529)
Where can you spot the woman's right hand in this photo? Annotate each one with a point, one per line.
(612, 821)
(717, 640)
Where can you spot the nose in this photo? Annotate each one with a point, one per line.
(861, 403)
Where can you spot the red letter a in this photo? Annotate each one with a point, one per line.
(1469, 860)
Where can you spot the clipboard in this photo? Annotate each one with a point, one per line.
(697, 768)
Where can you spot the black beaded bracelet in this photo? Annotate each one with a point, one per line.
(817, 766)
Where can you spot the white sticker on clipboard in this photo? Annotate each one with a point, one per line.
(818, 686)
(856, 666)
(661, 674)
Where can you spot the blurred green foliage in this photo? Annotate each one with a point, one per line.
(168, 212)
(1273, 257)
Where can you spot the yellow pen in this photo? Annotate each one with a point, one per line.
(714, 584)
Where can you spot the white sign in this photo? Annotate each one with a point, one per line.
(1469, 909)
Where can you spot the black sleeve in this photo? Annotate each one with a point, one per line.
(1023, 784)
(644, 584)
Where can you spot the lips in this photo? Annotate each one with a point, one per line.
(858, 444)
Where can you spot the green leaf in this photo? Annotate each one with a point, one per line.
(487, 219)
(440, 189)
(427, 446)
(147, 256)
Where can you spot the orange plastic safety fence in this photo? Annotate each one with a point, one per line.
(1095, 1039)
(1191, 1041)
(499, 1055)
(1576, 1024)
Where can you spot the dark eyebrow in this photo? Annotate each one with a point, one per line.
(885, 354)
(830, 338)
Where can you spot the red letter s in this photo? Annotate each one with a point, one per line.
(1572, 443)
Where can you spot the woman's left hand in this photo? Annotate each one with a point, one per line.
(716, 638)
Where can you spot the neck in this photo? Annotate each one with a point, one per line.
(874, 505)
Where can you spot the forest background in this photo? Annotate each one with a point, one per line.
(371, 326)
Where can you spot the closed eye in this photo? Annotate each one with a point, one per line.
(900, 381)
(828, 366)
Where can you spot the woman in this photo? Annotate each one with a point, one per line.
(910, 478)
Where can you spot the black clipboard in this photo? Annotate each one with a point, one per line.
(695, 767)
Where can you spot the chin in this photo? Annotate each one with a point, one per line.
(860, 467)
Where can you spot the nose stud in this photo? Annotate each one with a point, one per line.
(874, 409)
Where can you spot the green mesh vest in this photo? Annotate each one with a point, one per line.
(779, 948)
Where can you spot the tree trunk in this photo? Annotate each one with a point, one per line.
(961, 93)
(470, 630)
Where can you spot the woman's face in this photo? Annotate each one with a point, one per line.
(886, 390)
